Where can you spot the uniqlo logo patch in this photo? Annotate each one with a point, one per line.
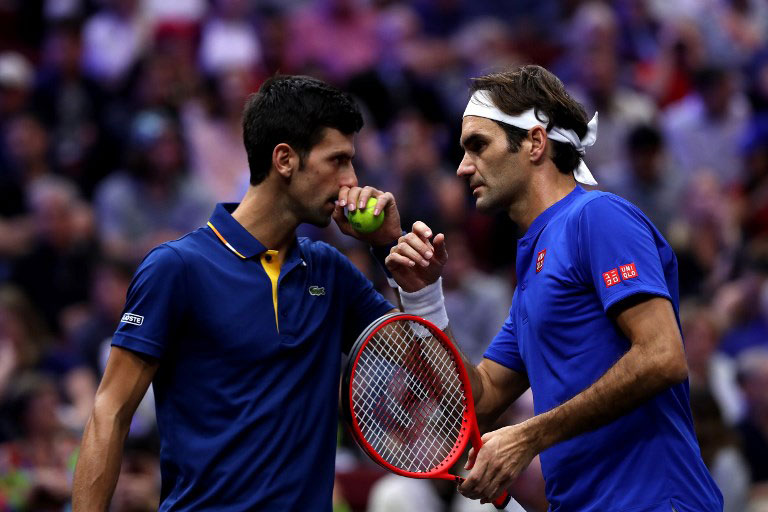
(628, 271)
(540, 260)
(611, 278)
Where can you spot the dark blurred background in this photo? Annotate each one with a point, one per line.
(120, 129)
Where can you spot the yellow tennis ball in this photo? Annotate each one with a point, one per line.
(363, 220)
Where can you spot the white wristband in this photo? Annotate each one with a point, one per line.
(428, 303)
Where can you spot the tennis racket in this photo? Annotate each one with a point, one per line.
(407, 399)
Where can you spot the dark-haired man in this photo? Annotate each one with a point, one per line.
(239, 325)
(593, 328)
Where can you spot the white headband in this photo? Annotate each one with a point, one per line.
(481, 105)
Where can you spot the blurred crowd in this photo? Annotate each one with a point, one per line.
(120, 129)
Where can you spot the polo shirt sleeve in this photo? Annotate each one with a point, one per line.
(154, 304)
(504, 348)
(618, 251)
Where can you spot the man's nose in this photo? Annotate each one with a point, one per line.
(466, 167)
(348, 177)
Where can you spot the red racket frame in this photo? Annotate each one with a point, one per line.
(470, 432)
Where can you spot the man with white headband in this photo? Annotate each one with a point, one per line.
(594, 325)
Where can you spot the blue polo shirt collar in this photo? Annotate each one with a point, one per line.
(231, 232)
(241, 242)
(539, 222)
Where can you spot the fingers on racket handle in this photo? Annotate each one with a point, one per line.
(502, 501)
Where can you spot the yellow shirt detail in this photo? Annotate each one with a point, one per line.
(271, 264)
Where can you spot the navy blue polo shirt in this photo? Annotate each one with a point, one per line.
(246, 398)
(579, 257)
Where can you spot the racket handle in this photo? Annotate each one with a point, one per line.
(502, 501)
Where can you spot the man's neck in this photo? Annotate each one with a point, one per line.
(547, 186)
(264, 217)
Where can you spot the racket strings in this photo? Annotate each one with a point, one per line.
(408, 398)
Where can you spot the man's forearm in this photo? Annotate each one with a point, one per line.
(491, 395)
(98, 464)
(635, 378)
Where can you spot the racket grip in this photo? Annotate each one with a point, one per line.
(502, 501)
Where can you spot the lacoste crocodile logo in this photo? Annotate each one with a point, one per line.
(316, 290)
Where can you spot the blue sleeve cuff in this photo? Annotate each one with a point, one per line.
(136, 344)
(648, 290)
(504, 361)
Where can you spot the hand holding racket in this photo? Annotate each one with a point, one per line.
(407, 399)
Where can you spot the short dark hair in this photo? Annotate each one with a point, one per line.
(531, 86)
(294, 110)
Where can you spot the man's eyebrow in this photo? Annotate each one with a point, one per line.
(344, 153)
(473, 138)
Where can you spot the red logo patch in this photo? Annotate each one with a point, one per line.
(611, 278)
(540, 260)
(628, 271)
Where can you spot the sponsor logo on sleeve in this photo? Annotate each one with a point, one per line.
(611, 278)
(628, 271)
(540, 260)
(130, 318)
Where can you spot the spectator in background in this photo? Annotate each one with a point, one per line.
(704, 129)
(593, 51)
(56, 272)
(736, 309)
(332, 39)
(23, 342)
(646, 177)
(748, 326)
(706, 238)
(16, 79)
(213, 127)
(757, 82)
(24, 142)
(753, 193)
(753, 377)
(417, 166)
(155, 200)
(701, 334)
(37, 465)
(400, 78)
(229, 39)
(639, 31)
(27, 144)
(720, 451)
(669, 77)
(734, 29)
(69, 105)
(113, 41)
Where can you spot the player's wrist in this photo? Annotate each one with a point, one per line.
(428, 303)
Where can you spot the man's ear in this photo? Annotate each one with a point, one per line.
(539, 142)
(285, 160)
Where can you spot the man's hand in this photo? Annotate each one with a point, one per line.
(357, 197)
(415, 262)
(504, 456)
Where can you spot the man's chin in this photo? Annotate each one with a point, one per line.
(320, 222)
(484, 206)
